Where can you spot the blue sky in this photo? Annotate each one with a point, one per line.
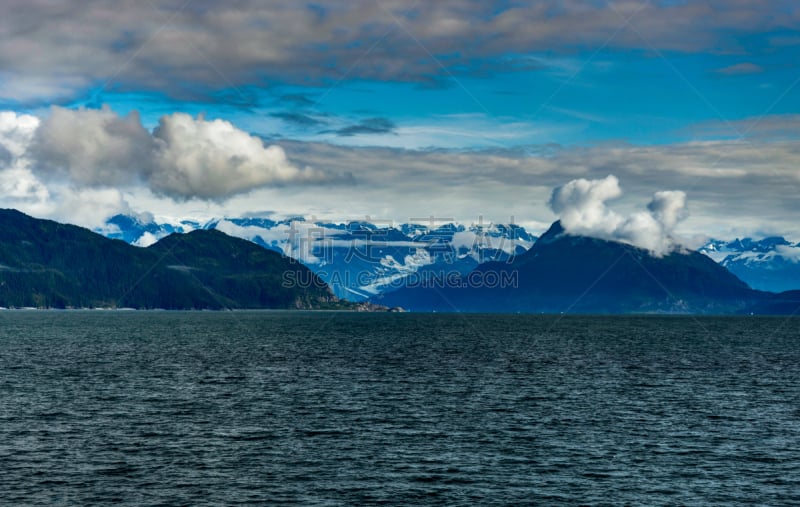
(384, 108)
(572, 99)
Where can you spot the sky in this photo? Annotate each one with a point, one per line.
(616, 116)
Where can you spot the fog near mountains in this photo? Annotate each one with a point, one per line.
(581, 207)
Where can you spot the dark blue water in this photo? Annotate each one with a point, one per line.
(165, 408)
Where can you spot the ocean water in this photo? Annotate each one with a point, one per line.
(201, 408)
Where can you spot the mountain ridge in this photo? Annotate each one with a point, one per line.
(771, 264)
(358, 259)
(768, 264)
(47, 264)
(579, 274)
(52, 265)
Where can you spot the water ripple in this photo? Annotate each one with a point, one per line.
(339, 409)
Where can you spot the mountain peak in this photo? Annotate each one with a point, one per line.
(52, 265)
(579, 274)
(555, 231)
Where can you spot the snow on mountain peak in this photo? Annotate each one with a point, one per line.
(356, 258)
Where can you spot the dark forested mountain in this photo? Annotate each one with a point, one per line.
(577, 274)
(47, 264)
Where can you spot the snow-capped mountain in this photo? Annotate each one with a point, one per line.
(357, 259)
(142, 230)
(564, 273)
(771, 264)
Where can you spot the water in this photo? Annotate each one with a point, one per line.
(164, 408)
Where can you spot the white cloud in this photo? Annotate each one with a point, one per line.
(16, 132)
(737, 188)
(669, 207)
(74, 165)
(474, 242)
(92, 147)
(790, 253)
(295, 240)
(213, 160)
(88, 207)
(183, 158)
(18, 186)
(581, 206)
(146, 239)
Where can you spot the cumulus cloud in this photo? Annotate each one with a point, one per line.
(18, 185)
(16, 132)
(581, 207)
(93, 147)
(28, 191)
(183, 158)
(214, 159)
(669, 207)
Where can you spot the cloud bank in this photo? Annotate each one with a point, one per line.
(183, 158)
(738, 188)
(57, 50)
(581, 207)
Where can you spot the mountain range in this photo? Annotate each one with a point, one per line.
(770, 264)
(563, 273)
(362, 259)
(357, 259)
(52, 265)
